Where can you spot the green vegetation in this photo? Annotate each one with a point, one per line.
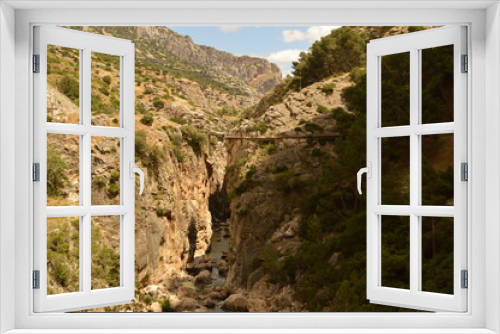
(105, 261)
(107, 79)
(139, 108)
(157, 103)
(259, 126)
(313, 127)
(336, 53)
(322, 109)
(62, 249)
(225, 111)
(114, 184)
(180, 121)
(176, 142)
(248, 183)
(99, 181)
(194, 137)
(69, 87)
(147, 119)
(151, 156)
(268, 146)
(329, 268)
(56, 172)
(328, 88)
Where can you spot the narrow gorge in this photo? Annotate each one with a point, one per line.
(246, 207)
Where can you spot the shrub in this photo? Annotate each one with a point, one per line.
(56, 168)
(194, 137)
(309, 104)
(328, 88)
(157, 103)
(322, 109)
(69, 87)
(312, 127)
(245, 186)
(99, 181)
(151, 156)
(114, 189)
(180, 121)
(107, 79)
(269, 147)
(147, 119)
(166, 307)
(115, 177)
(49, 118)
(283, 179)
(260, 126)
(139, 108)
(148, 91)
(104, 91)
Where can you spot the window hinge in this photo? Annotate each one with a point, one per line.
(464, 279)
(36, 279)
(465, 64)
(36, 172)
(36, 63)
(464, 171)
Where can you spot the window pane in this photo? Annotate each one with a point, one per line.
(437, 254)
(437, 169)
(63, 255)
(63, 169)
(395, 252)
(105, 252)
(105, 155)
(63, 84)
(437, 84)
(395, 92)
(396, 171)
(105, 98)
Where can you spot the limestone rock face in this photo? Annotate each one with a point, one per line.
(264, 224)
(256, 72)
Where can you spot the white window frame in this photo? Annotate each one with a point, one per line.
(483, 20)
(413, 44)
(85, 297)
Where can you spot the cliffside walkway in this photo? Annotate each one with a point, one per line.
(232, 137)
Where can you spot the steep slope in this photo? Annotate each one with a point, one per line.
(179, 55)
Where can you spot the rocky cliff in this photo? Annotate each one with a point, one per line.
(268, 181)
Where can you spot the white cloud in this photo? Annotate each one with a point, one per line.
(284, 56)
(311, 34)
(229, 28)
(284, 59)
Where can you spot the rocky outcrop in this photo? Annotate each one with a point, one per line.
(256, 72)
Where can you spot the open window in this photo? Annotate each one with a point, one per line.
(416, 124)
(68, 230)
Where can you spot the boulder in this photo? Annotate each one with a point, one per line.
(155, 307)
(236, 303)
(185, 292)
(152, 290)
(209, 302)
(205, 277)
(186, 305)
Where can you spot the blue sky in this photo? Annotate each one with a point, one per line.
(280, 45)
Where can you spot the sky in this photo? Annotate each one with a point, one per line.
(280, 45)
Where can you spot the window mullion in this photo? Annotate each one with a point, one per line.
(86, 168)
(414, 172)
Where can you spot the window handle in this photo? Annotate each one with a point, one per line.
(368, 171)
(139, 171)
